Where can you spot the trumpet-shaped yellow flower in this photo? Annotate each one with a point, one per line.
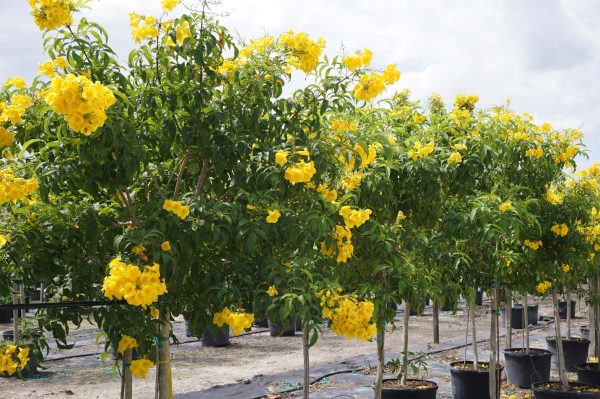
(273, 216)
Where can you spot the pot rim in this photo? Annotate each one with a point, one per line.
(435, 385)
(572, 339)
(478, 371)
(520, 352)
(536, 388)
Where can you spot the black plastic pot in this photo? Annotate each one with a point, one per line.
(479, 298)
(471, 384)
(542, 392)
(298, 324)
(562, 309)
(283, 329)
(392, 305)
(262, 323)
(447, 305)
(588, 373)
(8, 335)
(524, 369)
(516, 316)
(585, 332)
(575, 350)
(422, 393)
(6, 316)
(217, 337)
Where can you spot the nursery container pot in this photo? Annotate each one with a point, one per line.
(283, 329)
(468, 383)
(6, 316)
(524, 369)
(585, 332)
(562, 309)
(553, 390)
(415, 389)
(216, 337)
(588, 373)
(575, 351)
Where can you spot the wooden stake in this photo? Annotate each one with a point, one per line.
(126, 382)
(380, 359)
(561, 356)
(305, 354)
(164, 358)
(405, 343)
(436, 322)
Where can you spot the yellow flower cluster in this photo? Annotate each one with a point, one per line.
(359, 60)
(139, 368)
(343, 237)
(505, 206)
(141, 32)
(542, 287)
(15, 188)
(272, 291)
(257, 46)
(349, 317)
(305, 52)
(281, 157)
(391, 74)
(369, 86)
(533, 244)
(81, 101)
(169, 5)
(177, 208)
(6, 137)
(17, 81)
(237, 321)
(354, 217)
(535, 152)
(420, 150)
(560, 230)
(4, 239)
(125, 343)
(340, 124)
(327, 193)
(137, 287)
(182, 32)
(459, 147)
(140, 250)
(273, 216)
(12, 361)
(554, 197)
(48, 68)
(465, 102)
(17, 108)
(454, 158)
(165, 246)
(300, 172)
(565, 268)
(351, 180)
(51, 14)
(365, 159)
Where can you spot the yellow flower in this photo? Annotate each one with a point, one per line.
(560, 230)
(365, 159)
(169, 5)
(272, 291)
(250, 207)
(60, 62)
(125, 343)
(505, 206)
(138, 287)
(354, 217)
(237, 321)
(304, 153)
(533, 244)
(165, 246)
(182, 32)
(23, 356)
(369, 87)
(543, 286)
(6, 137)
(400, 216)
(300, 172)
(52, 14)
(139, 368)
(304, 53)
(566, 268)
(4, 240)
(281, 157)
(554, 197)
(391, 74)
(454, 158)
(17, 81)
(177, 208)
(273, 216)
(47, 68)
(355, 61)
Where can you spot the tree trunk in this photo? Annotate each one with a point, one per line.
(596, 327)
(494, 394)
(473, 309)
(526, 323)
(165, 383)
(405, 343)
(568, 314)
(380, 359)
(306, 385)
(436, 322)
(508, 319)
(126, 383)
(561, 356)
(15, 315)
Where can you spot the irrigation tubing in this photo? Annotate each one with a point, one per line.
(48, 305)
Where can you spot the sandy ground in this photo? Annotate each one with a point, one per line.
(195, 368)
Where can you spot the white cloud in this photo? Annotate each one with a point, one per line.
(543, 55)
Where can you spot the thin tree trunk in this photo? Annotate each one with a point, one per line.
(508, 319)
(126, 383)
(473, 309)
(526, 322)
(561, 356)
(380, 359)
(164, 358)
(15, 315)
(405, 343)
(568, 314)
(494, 394)
(436, 322)
(305, 355)
(596, 318)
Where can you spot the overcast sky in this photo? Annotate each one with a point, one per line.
(542, 54)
